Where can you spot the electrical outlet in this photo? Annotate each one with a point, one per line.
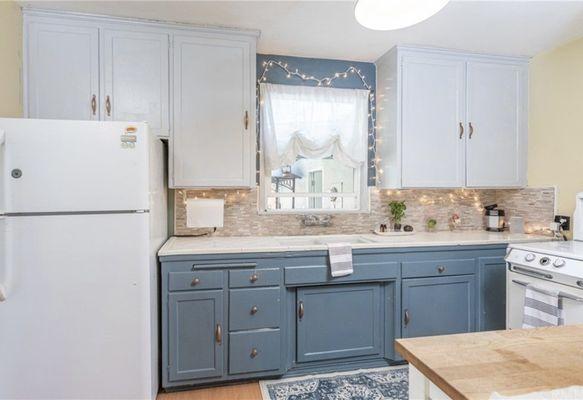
(564, 221)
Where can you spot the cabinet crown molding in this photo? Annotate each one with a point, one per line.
(441, 51)
(152, 23)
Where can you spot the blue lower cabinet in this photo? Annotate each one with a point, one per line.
(338, 321)
(254, 351)
(492, 299)
(232, 317)
(196, 336)
(438, 306)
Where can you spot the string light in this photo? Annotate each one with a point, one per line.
(327, 81)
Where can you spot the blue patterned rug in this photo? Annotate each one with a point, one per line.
(372, 384)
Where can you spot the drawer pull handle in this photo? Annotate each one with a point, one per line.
(195, 282)
(93, 104)
(440, 269)
(246, 120)
(461, 131)
(407, 317)
(253, 278)
(108, 106)
(301, 310)
(254, 310)
(471, 130)
(219, 334)
(254, 353)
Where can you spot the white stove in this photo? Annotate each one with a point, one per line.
(555, 266)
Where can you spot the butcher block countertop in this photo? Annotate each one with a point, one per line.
(513, 362)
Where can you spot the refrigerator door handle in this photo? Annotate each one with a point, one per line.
(3, 165)
(4, 255)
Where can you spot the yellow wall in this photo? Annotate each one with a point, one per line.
(556, 123)
(10, 59)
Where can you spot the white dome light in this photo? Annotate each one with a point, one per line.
(385, 15)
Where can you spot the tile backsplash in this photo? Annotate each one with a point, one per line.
(535, 205)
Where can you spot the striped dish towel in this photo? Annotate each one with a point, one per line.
(340, 259)
(542, 308)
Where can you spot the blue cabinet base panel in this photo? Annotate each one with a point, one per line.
(236, 317)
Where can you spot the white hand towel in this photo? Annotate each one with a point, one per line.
(542, 308)
(340, 259)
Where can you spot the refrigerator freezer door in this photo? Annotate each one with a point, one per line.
(76, 322)
(53, 166)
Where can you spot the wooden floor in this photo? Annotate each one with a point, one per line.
(246, 391)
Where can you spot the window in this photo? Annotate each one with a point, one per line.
(314, 148)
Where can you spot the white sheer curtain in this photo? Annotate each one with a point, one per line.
(313, 122)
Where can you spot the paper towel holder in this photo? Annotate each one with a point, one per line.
(205, 213)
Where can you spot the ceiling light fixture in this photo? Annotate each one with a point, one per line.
(386, 15)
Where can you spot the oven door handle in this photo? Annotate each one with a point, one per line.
(561, 294)
(530, 272)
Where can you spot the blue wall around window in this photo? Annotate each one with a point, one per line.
(321, 68)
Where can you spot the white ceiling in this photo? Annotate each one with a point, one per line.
(327, 29)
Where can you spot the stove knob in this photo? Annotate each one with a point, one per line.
(529, 257)
(559, 262)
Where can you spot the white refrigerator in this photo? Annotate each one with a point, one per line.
(82, 215)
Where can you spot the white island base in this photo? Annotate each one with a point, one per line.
(421, 388)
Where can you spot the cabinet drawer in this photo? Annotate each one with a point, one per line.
(254, 308)
(254, 351)
(195, 280)
(295, 276)
(416, 269)
(254, 277)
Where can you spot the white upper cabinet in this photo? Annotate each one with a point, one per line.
(62, 71)
(135, 78)
(213, 143)
(80, 67)
(432, 115)
(449, 119)
(192, 85)
(497, 136)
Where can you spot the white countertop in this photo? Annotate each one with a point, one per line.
(184, 245)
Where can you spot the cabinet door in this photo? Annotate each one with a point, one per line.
(195, 335)
(497, 112)
(212, 142)
(438, 306)
(135, 78)
(338, 322)
(492, 296)
(433, 107)
(62, 74)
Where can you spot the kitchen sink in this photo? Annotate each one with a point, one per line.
(323, 240)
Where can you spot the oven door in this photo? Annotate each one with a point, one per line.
(515, 289)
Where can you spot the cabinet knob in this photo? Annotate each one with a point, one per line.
(440, 269)
(195, 282)
(253, 278)
(254, 353)
(254, 310)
